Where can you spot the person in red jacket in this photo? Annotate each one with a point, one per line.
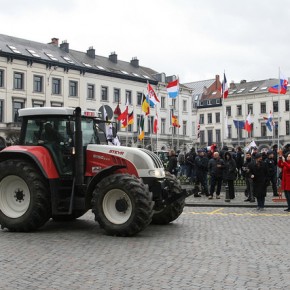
(285, 183)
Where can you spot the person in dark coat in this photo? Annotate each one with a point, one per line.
(248, 179)
(201, 165)
(229, 173)
(272, 169)
(259, 174)
(172, 163)
(189, 162)
(215, 168)
(239, 160)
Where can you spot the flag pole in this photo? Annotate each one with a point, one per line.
(279, 88)
(223, 121)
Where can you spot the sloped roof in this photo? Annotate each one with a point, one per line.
(198, 86)
(53, 54)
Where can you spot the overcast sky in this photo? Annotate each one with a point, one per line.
(194, 39)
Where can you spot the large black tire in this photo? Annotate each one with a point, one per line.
(24, 196)
(122, 205)
(172, 211)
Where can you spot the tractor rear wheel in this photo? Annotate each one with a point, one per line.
(24, 196)
(172, 211)
(122, 205)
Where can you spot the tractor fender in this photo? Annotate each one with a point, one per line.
(97, 178)
(37, 155)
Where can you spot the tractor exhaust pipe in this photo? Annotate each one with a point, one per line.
(79, 152)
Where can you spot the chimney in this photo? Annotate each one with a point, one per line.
(113, 57)
(91, 52)
(135, 62)
(54, 41)
(232, 85)
(217, 81)
(64, 46)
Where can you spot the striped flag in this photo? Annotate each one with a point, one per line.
(141, 129)
(225, 89)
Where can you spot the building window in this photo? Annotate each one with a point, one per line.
(37, 103)
(287, 105)
(1, 111)
(1, 78)
(139, 98)
(217, 117)
(250, 109)
(218, 135)
(275, 106)
(18, 81)
(130, 128)
(163, 102)
(91, 92)
(201, 135)
(38, 84)
(56, 86)
(104, 93)
(193, 129)
(129, 97)
(218, 101)
(263, 130)
(229, 131)
(263, 108)
(150, 124)
(208, 102)
(174, 104)
(16, 106)
(184, 125)
(209, 137)
(201, 119)
(228, 111)
(117, 95)
(239, 110)
(209, 118)
(73, 88)
(163, 123)
(184, 106)
(287, 127)
(56, 104)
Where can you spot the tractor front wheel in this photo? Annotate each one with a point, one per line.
(24, 196)
(122, 205)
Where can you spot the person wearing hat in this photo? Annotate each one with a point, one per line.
(272, 169)
(258, 171)
(201, 165)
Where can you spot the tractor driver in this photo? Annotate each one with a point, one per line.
(50, 134)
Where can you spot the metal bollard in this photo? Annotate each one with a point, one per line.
(227, 198)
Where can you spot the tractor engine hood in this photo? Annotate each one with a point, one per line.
(147, 163)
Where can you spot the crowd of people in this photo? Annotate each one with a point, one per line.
(209, 169)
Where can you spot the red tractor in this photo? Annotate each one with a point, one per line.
(60, 170)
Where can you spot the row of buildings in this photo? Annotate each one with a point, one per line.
(52, 74)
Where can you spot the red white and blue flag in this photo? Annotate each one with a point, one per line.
(152, 97)
(248, 123)
(280, 88)
(225, 89)
(173, 89)
(269, 121)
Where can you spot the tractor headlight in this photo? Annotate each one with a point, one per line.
(158, 173)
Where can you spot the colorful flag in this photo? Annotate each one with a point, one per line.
(248, 123)
(239, 124)
(174, 120)
(117, 111)
(269, 121)
(198, 130)
(280, 88)
(173, 89)
(155, 124)
(225, 89)
(153, 99)
(124, 115)
(145, 105)
(129, 120)
(141, 129)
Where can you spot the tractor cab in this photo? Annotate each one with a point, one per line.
(53, 128)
